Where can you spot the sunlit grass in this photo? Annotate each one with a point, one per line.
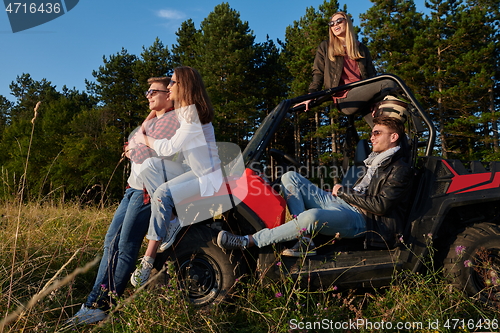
(49, 235)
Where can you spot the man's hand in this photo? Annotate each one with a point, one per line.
(336, 188)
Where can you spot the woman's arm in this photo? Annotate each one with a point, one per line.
(318, 71)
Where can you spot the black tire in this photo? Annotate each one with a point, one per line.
(204, 271)
(473, 262)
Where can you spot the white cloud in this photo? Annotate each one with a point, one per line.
(170, 14)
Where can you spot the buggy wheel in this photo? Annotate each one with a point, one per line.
(473, 262)
(203, 270)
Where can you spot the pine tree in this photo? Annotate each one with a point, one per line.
(154, 61)
(22, 146)
(35, 141)
(90, 166)
(389, 29)
(271, 75)
(116, 87)
(5, 107)
(457, 68)
(224, 54)
(447, 58)
(479, 24)
(183, 53)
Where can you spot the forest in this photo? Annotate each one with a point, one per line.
(71, 148)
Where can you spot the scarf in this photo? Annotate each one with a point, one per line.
(373, 162)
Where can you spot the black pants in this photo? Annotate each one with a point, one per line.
(358, 99)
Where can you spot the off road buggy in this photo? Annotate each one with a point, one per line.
(455, 205)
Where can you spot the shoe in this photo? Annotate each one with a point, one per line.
(303, 248)
(229, 241)
(141, 275)
(87, 315)
(173, 229)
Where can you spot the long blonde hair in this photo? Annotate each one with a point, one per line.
(336, 47)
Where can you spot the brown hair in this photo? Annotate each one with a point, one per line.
(192, 91)
(164, 80)
(336, 47)
(394, 124)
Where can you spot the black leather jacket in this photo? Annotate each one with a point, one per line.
(328, 73)
(385, 203)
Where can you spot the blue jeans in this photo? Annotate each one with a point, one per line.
(164, 199)
(314, 211)
(161, 178)
(121, 248)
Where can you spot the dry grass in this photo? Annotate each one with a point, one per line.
(40, 244)
(54, 240)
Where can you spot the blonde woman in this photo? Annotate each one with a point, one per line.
(341, 60)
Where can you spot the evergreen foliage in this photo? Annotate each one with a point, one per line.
(449, 57)
(224, 54)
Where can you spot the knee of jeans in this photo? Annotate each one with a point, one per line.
(285, 178)
(162, 198)
(111, 239)
(129, 249)
(156, 204)
(309, 219)
(160, 192)
(289, 179)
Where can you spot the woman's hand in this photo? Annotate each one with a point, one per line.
(306, 103)
(140, 138)
(144, 139)
(150, 116)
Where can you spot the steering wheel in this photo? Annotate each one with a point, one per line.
(286, 162)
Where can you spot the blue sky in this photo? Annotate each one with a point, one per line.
(66, 50)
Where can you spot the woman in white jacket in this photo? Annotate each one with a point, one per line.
(195, 140)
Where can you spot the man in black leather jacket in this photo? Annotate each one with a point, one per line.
(374, 208)
(385, 200)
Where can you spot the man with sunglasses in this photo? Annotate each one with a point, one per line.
(374, 208)
(130, 222)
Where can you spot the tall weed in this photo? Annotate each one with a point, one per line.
(55, 239)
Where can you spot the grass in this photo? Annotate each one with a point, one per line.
(48, 256)
(37, 243)
(41, 244)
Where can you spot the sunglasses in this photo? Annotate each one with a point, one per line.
(172, 82)
(377, 133)
(336, 22)
(152, 92)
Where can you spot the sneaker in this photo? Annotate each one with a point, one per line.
(303, 248)
(229, 241)
(87, 315)
(141, 275)
(173, 229)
